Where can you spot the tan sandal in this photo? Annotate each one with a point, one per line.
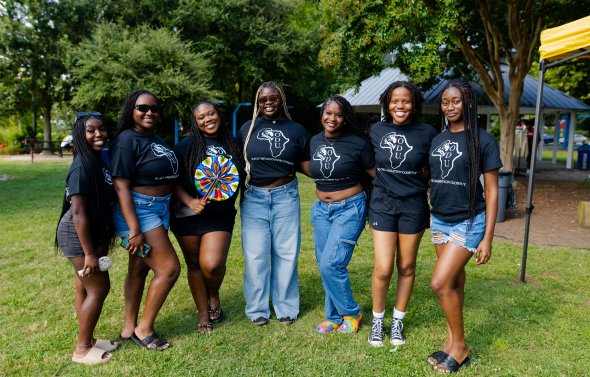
(106, 345)
(94, 356)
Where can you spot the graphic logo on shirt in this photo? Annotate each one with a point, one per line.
(212, 150)
(161, 151)
(447, 153)
(276, 140)
(327, 157)
(398, 148)
(107, 176)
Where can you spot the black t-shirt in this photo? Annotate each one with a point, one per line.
(143, 159)
(449, 158)
(275, 149)
(214, 147)
(338, 164)
(77, 181)
(401, 152)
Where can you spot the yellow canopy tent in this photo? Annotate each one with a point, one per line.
(558, 45)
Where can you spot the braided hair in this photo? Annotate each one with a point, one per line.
(351, 123)
(417, 100)
(284, 110)
(98, 200)
(196, 149)
(126, 113)
(469, 114)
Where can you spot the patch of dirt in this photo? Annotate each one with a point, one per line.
(554, 217)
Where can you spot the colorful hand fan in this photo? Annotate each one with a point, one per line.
(217, 178)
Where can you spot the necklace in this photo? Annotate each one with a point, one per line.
(332, 138)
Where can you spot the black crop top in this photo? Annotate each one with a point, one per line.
(275, 149)
(338, 164)
(143, 159)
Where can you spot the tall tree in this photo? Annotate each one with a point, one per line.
(474, 38)
(115, 61)
(34, 38)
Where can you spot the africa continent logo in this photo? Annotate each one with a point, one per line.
(213, 150)
(327, 157)
(276, 140)
(398, 147)
(447, 153)
(161, 151)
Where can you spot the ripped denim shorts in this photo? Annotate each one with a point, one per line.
(460, 233)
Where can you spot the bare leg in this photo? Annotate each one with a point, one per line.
(212, 259)
(137, 272)
(91, 291)
(384, 244)
(191, 246)
(406, 268)
(447, 283)
(164, 262)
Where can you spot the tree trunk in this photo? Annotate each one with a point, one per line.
(508, 119)
(47, 147)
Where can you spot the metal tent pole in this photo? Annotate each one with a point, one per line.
(529, 205)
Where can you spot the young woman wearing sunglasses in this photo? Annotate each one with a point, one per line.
(274, 148)
(144, 175)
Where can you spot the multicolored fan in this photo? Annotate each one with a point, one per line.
(217, 178)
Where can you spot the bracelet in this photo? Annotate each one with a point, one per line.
(130, 238)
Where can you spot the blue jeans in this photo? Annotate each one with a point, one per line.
(337, 227)
(271, 237)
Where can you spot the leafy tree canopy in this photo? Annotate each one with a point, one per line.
(116, 61)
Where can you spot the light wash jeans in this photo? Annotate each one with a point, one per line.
(271, 237)
(337, 227)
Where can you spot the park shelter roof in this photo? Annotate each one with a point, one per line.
(566, 40)
(365, 98)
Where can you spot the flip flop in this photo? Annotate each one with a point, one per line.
(121, 338)
(94, 356)
(106, 345)
(436, 358)
(205, 328)
(450, 365)
(217, 314)
(152, 342)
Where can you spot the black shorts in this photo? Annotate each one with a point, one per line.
(387, 213)
(203, 223)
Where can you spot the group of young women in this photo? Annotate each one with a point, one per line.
(384, 173)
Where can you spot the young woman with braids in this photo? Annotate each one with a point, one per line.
(144, 175)
(462, 219)
(205, 238)
(398, 211)
(274, 148)
(342, 160)
(85, 233)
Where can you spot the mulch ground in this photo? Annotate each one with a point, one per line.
(554, 217)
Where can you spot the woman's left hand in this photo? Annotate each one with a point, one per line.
(484, 252)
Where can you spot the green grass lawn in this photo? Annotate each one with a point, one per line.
(541, 328)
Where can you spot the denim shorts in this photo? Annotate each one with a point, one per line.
(151, 211)
(460, 233)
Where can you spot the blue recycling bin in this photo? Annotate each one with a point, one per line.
(583, 157)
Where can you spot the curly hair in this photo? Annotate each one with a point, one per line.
(417, 100)
(350, 120)
(98, 201)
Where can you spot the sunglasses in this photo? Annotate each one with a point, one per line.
(272, 98)
(83, 114)
(146, 108)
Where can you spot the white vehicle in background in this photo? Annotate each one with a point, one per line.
(578, 139)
